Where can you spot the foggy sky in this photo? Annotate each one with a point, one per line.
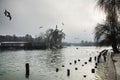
(79, 17)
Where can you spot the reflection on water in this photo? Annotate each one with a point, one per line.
(43, 64)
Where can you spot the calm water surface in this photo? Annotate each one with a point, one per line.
(43, 64)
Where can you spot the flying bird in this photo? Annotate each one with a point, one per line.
(76, 38)
(62, 23)
(7, 14)
(41, 27)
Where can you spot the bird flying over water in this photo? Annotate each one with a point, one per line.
(7, 14)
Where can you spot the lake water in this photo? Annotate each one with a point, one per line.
(43, 64)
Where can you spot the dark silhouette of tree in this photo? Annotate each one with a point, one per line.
(54, 38)
(107, 33)
(28, 38)
(103, 35)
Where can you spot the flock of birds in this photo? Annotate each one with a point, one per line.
(8, 15)
(77, 61)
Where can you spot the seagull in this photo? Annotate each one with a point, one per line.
(41, 27)
(62, 23)
(76, 38)
(7, 14)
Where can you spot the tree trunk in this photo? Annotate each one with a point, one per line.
(114, 42)
(115, 49)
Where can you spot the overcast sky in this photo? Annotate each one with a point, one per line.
(79, 17)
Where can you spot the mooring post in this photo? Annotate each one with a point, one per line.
(84, 76)
(85, 62)
(76, 68)
(95, 58)
(79, 60)
(93, 70)
(27, 70)
(96, 64)
(70, 63)
(75, 61)
(90, 59)
(68, 72)
(57, 69)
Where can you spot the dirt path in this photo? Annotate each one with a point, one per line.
(116, 59)
(111, 69)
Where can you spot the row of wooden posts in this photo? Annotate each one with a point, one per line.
(68, 70)
(96, 59)
(75, 61)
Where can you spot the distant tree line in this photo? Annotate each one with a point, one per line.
(26, 38)
(52, 38)
(82, 43)
(87, 43)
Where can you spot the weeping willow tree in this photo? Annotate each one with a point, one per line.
(108, 33)
(54, 38)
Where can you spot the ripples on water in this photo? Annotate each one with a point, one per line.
(43, 64)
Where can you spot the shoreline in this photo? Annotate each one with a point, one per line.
(111, 62)
(116, 61)
(111, 69)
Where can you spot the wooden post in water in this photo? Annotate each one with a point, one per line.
(93, 70)
(95, 58)
(68, 72)
(85, 62)
(90, 59)
(76, 68)
(96, 64)
(27, 70)
(57, 69)
(75, 61)
(79, 60)
(84, 76)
